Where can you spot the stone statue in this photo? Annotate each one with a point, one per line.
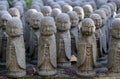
(63, 40)
(114, 48)
(74, 31)
(35, 34)
(80, 13)
(46, 10)
(4, 39)
(98, 32)
(14, 12)
(103, 28)
(87, 10)
(28, 28)
(15, 56)
(66, 8)
(1, 29)
(87, 49)
(47, 62)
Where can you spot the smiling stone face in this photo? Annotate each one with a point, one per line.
(73, 18)
(79, 11)
(14, 28)
(46, 10)
(88, 27)
(87, 10)
(47, 26)
(97, 20)
(63, 22)
(5, 18)
(35, 20)
(14, 12)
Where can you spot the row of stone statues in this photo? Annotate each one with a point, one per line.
(56, 37)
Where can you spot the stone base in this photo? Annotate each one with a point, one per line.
(16, 74)
(86, 74)
(63, 65)
(47, 73)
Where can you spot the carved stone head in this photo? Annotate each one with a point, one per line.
(66, 8)
(102, 14)
(28, 14)
(115, 31)
(14, 12)
(46, 10)
(79, 11)
(97, 20)
(88, 27)
(87, 10)
(63, 22)
(14, 28)
(5, 18)
(47, 26)
(55, 12)
(35, 20)
(73, 18)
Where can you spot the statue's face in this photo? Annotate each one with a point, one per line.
(15, 14)
(87, 12)
(35, 22)
(48, 28)
(116, 32)
(46, 13)
(87, 30)
(98, 22)
(74, 21)
(63, 24)
(4, 22)
(14, 31)
(80, 15)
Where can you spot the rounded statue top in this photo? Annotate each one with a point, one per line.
(63, 22)
(66, 8)
(115, 31)
(35, 20)
(3, 7)
(79, 11)
(88, 27)
(108, 10)
(55, 5)
(97, 20)
(28, 14)
(73, 18)
(47, 26)
(14, 28)
(87, 10)
(102, 14)
(55, 12)
(37, 7)
(46, 10)
(14, 12)
(21, 9)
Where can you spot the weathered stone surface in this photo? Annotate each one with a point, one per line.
(87, 49)
(15, 56)
(63, 40)
(47, 61)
